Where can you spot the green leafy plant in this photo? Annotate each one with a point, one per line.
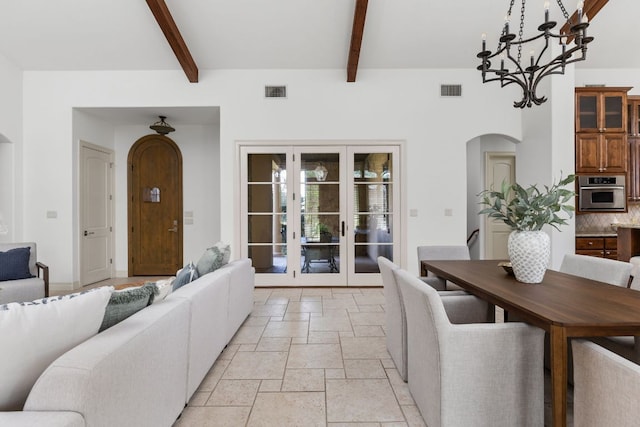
(529, 209)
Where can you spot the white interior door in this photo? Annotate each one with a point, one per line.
(500, 167)
(96, 213)
(319, 215)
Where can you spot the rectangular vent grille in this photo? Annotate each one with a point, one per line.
(596, 85)
(275, 91)
(450, 90)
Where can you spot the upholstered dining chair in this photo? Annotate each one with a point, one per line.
(609, 271)
(435, 252)
(605, 388)
(396, 321)
(470, 374)
(601, 269)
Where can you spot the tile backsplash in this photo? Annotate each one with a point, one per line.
(602, 221)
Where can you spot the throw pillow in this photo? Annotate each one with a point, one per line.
(214, 258)
(185, 275)
(34, 334)
(123, 304)
(165, 287)
(14, 264)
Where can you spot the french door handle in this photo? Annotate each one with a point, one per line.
(88, 233)
(342, 229)
(174, 229)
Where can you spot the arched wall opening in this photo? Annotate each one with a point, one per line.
(476, 153)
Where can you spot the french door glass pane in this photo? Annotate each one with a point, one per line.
(373, 210)
(320, 226)
(267, 218)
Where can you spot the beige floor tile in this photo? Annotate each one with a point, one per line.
(234, 393)
(358, 319)
(364, 348)
(351, 291)
(213, 376)
(353, 424)
(315, 356)
(199, 398)
(256, 320)
(388, 363)
(247, 347)
(270, 385)
(347, 334)
(334, 374)
(310, 298)
(229, 352)
(396, 424)
(340, 303)
(412, 414)
(288, 410)
(299, 340)
(305, 307)
(370, 400)
(369, 299)
(316, 292)
(293, 294)
(269, 310)
(364, 369)
(330, 323)
(273, 344)
(368, 331)
(371, 308)
(303, 380)
(400, 388)
(277, 300)
(318, 337)
(264, 365)
(295, 316)
(286, 329)
(213, 416)
(248, 335)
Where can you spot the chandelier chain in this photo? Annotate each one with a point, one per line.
(521, 31)
(564, 11)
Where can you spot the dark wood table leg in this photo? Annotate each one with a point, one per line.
(558, 349)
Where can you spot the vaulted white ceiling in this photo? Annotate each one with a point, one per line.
(289, 34)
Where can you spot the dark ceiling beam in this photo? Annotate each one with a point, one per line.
(170, 29)
(359, 16)
(590, 8)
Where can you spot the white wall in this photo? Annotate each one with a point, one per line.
(10, 150)
(383, 104)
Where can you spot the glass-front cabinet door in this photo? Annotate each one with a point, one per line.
(319, 215)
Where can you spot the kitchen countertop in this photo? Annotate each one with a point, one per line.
(595, 233)
(625, 225)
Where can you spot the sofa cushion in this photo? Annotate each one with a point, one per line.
(214, 258)
(14, 264)
(127, 302)
(34, 334)
(185, 275)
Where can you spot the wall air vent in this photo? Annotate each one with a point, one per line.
(450, 90)
(595, 85)
(275, 91)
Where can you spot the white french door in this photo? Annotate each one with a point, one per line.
(318, 215)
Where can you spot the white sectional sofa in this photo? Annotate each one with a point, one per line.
(143, 371)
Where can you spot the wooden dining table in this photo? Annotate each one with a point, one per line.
(564, 305)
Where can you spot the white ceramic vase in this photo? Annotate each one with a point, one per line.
(529, 253)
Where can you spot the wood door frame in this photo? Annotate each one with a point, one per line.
(130, 191)
(81, 192)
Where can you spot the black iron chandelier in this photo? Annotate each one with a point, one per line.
(513, 71)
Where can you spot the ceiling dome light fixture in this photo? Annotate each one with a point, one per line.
(162, 127)
(512, 70)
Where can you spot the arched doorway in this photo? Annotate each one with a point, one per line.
(154, 178)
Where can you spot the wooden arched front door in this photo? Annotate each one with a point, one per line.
(155, 206)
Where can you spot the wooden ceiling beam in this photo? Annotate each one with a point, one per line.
(170, 29)
(590, 8)
(359, 16)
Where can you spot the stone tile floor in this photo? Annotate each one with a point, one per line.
(307, 357)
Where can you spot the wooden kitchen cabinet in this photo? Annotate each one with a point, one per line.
(600, 110)
(633, 141)
(602, 247)
(601, 130)
(601, 153)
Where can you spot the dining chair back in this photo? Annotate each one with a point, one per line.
(439, 252)
(601, 269)
(488, 374)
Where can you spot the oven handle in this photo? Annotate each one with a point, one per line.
(612, 187)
